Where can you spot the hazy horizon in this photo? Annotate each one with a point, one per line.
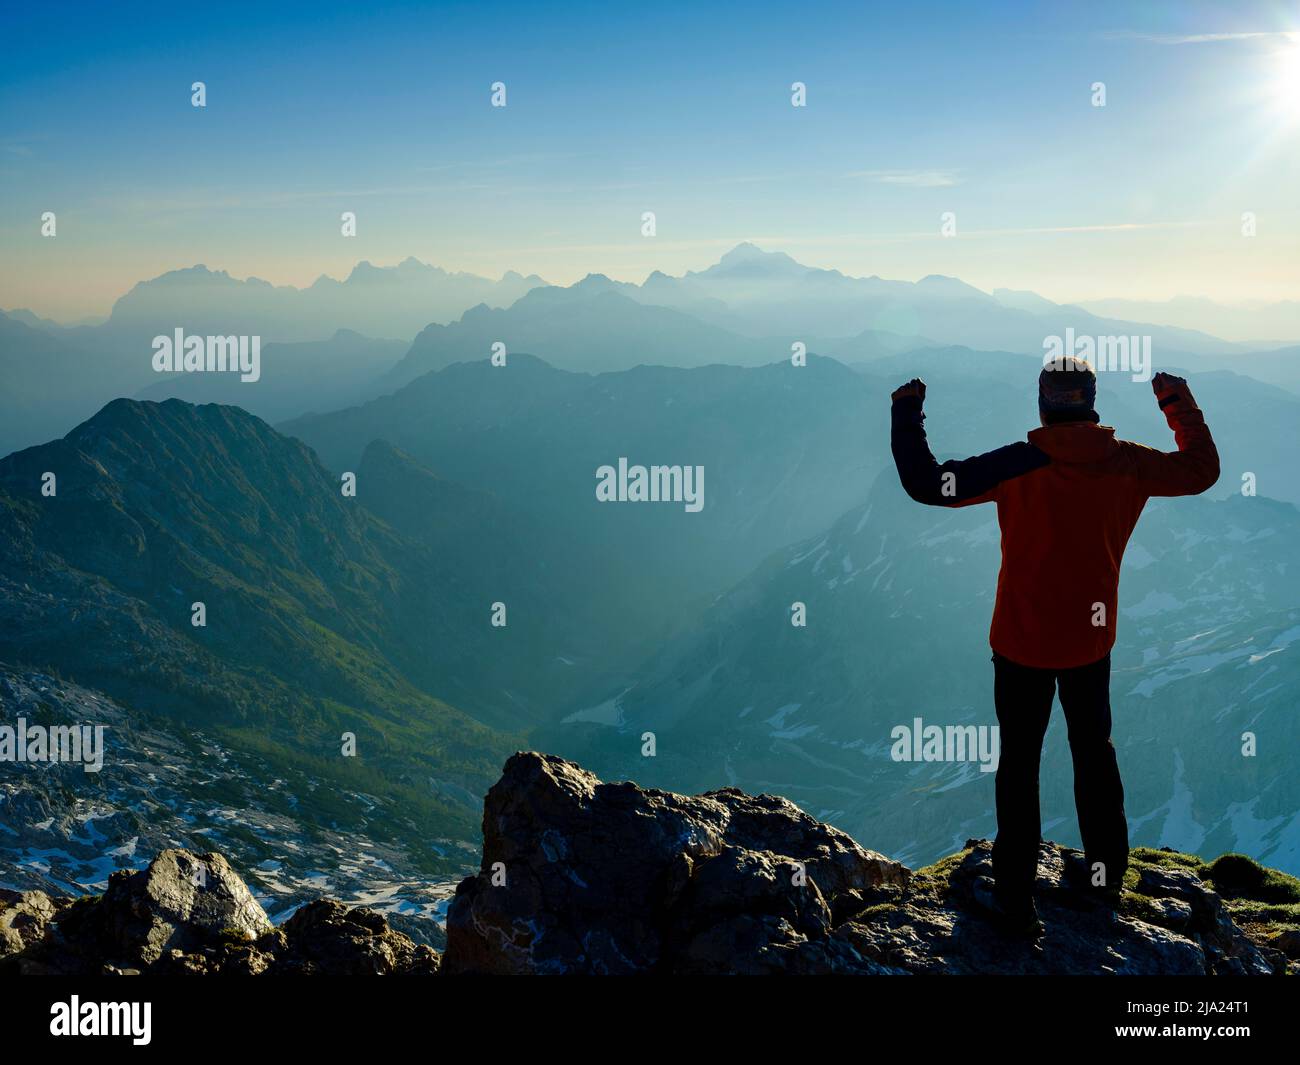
(1173, 310)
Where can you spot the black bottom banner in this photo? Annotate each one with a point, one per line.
(334, 1013)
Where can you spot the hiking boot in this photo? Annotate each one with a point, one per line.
(1018, 919)
(1078, 874)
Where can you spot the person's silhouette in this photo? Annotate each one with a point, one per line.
(1068, 499)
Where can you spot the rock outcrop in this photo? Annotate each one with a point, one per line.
(180, 903)
(583, 876)
(327, 938)
(191, 913)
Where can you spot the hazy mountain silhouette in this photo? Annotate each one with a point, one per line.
(57, 376)
(768, 293)
(373, 300)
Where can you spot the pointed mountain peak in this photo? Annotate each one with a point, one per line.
(749, 260)
(745, 250)
(950, 286)
(187, 275)
(597, 283)
(365, 270)
(593, 285)
(126, 412)
(412, 265)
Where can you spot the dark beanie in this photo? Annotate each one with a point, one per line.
(1067, 386)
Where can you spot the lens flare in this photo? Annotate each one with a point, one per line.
(1286, 84)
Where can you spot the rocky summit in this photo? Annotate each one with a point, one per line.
(584, 876)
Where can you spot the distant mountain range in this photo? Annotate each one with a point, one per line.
(750, 308)
(316, 341)
(375, 300)
(762, 293)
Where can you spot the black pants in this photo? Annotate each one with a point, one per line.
(1023, 698)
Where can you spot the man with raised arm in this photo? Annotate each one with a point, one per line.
(1068, 499)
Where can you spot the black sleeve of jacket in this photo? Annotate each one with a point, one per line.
(973, 479)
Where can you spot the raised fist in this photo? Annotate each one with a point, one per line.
(914, 387)
(1164, 381)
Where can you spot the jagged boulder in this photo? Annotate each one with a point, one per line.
(192, 914)
(583, 876)
(24, 918)
(183, 902)
(327, 938)
(185, 912)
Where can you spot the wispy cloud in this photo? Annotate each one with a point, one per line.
(1204, 38)
(917, 179)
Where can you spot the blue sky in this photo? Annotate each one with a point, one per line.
(680, 109)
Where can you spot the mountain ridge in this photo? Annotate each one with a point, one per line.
(305, 596)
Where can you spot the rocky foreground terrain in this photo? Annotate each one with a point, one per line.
(63, 831)
(581, 876)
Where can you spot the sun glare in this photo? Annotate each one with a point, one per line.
(1287, 79)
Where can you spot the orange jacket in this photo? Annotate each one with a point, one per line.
(1068, 500)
